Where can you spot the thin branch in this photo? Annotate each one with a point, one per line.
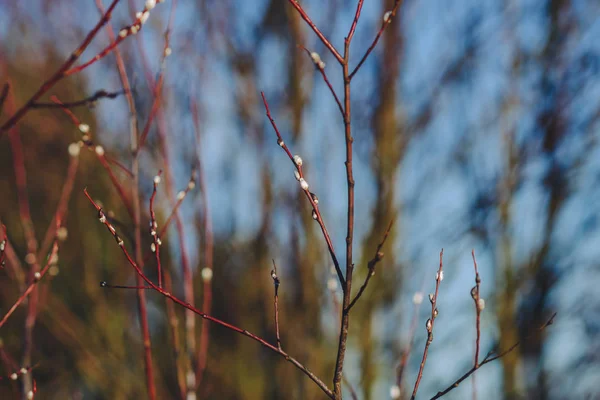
(60, 73)
(88, 101)
(479, 305)
(153, 230)
(198, 312)
(3, 95)
(312, 198)
(312, 25)
(488, 359)
(439, 276)
(276, 283)
(371, 266)
(387, 19)
(36, 279)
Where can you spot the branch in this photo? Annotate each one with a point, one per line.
(430, 323)
(88, 101)
(198, 312)
(488, 359)
(371, 266)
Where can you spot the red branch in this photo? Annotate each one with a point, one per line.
(198, 312)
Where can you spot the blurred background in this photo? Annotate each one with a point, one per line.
(476, 127)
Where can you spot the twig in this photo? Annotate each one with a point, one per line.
(487, 359)
(439, 276)
(479, 305)
(60, 73)
(3, 95)
(36, 278)
(371, 266)
(198, 312)
(323, 39)
(276, 283)
(88, 101)
(153, 230)
(312, 198)
(387, 19)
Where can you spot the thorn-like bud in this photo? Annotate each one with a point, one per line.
(134, 29)
(435, 313)
(387, 16)
(157, 179)
(207, 274)
(314, 197)
(101, 216)
(303, 184)
(428, 325)
(417, 298)
(84, 128)
(99, 150)
(298, 160)
(2, 245)
(23, 371)
(280, 142)
(144, 17)
(314, 215)
(74, 149)
(158, 241)
(103, 284)
(168, 52)
(321, 65)
(431, 298)
(119, 240)
(474, 292)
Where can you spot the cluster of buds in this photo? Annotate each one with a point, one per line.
(141, 18)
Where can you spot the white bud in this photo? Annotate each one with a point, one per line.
(297, 175)
(280, 142)
(123, 32)
(85, 138)
(180, 195)
(14, 376)
(158, 241)
(84, 128)
(134, 29)
(395, 392)
(168, 52)
(102, 218)
(207, 274)
(428, 325)
(157, 179)
(314, 215)
(99, 150)
(37, 276)
(435, 313)
(321, 65)
(439, 276)
(481, 304)
(191, 185)
(153, 247)
(418, 298)
(62, 233)
(24, 371)
(138, 15)
(315, 57)
(2, 245)
(332, 284)
(30, 395)
(387, 16)
(298, 160)
(120, 242)
(431, 297)
(74, 149)
(150, 4)
(144, 17)
(303, 184)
